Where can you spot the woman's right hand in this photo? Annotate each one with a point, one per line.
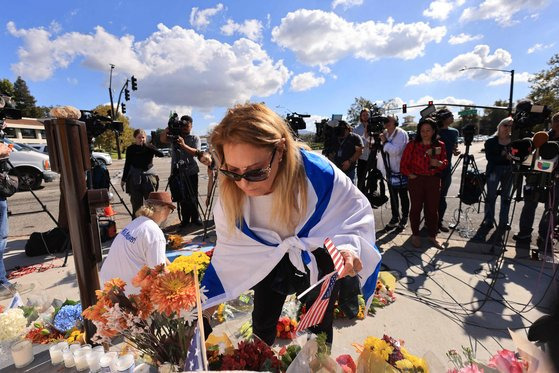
(412, 176)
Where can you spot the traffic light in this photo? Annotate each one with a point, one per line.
(430, 103)
(123, 108)
(404, 108)
(134, 83)
(127, 94)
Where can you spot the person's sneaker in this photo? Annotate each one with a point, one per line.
(392, 223)
(522, 237)
(443, 228)
(403, 223)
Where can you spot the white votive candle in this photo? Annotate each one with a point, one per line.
(68, 358)
(80, 360)
(74, 347)
(22, 353)
(55, 355)
(62, 346)
(125, 364)
(99, 348)
(107, 360)
(93, 360)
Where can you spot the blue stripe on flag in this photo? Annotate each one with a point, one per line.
(212, 283)
(246, 230)
(368, 289)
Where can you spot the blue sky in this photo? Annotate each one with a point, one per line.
(315, 57)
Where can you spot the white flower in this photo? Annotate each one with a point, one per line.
(189, 316)
(203, 296)
(12, 324)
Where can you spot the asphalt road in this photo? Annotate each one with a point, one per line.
(33, 219)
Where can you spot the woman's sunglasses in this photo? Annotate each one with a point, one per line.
(259, 174)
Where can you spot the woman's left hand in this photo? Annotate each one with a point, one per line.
(352, 263)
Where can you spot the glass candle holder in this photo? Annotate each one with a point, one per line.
(107, 360)
(125, 364)
(68, 358)
(55, 355)
(93, 359)
(80, 360)
(22, 353)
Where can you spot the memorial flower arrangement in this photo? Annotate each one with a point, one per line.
(159, 321)
(504, 361)
(68, 316)
(285, 329)
(12, 324)
(389, 352)
(198, 260)
(252, 355)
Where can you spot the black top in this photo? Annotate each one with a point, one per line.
(140, 157)
(496, 154)
(346, 149)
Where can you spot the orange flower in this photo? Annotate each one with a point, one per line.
(114, 283)
(173, 292)
(95, 312)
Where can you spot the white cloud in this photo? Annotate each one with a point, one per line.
(440, 9)
(501, 11)
(439, 101)
(55, 27)
(346, 3)
(72, 81)
(251, 28)
(463, 38)
(200, 18)
(322, 38)
(306, 81)
(208, 116)
(479, 57)
(504, 78)
(175, 66)
(539, 47)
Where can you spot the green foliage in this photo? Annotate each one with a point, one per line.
(491, 118)
(107, 140)
(25, 100)
(6, 87)
(545, 85)
(355, 109)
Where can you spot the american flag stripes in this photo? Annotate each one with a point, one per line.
(336, 256)
(315, 314)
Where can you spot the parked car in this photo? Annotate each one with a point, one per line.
(31, 167)
(99, 156)
(166, 151)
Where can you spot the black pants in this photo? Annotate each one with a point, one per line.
(268, 302)
(397, 195)
(361, 173)
(446, 179)
(189, 206)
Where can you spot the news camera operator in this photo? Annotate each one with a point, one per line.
(394, 141)
(184, 168)
(348, 150)
(531, 200)
(138, 176)
(361, 130)
(449, 136)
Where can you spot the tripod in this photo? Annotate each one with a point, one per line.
(209, 207)
(96, 163)
(466, 159)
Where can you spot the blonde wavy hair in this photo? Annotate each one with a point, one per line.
(149, 209)
(257, 125)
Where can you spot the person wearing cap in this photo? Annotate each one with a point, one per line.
(449, 136)
(140, 243)
(348, 150)
(498, 172)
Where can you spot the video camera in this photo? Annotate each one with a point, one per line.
(376, 122)
(175, 126)
(526, 117)
(7, 111)
(96, 124)
(296, 121)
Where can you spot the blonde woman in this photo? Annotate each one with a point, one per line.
(278, 203)
(140, 243)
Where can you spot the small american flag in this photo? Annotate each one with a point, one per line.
(315, 314)
(336, 256)
(194, 354)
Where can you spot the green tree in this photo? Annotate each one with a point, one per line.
(471, 119)
(107, 140)
(25, 100)
(491, 118)
(545, 85)
(354, 110)
(6, 87)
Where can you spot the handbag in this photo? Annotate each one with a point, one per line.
(8, 184)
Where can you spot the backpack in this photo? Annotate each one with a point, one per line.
(473, 187)
(375, 191)
(54, 241)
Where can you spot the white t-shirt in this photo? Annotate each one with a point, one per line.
(260, 216)
(140, 243)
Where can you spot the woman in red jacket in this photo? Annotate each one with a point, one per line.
(422, 162)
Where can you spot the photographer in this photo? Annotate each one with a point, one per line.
(531, 200)
(362, 131)
(394, 142)
(138, 176)
(348, 150)
(422, 162)
(449, 136)
(184, 168)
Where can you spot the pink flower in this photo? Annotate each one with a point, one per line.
(507, 362)
(347, 363)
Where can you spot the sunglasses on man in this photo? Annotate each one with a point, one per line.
(259, 174)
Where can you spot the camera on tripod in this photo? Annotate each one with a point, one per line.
(175, 126)
(296, 121)
(376, 122)
(526, 117)
(7, 111)
(96, 124)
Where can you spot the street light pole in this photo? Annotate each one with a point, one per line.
(504, 71)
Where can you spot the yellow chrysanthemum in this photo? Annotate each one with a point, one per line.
(198, 260)
(404, 364)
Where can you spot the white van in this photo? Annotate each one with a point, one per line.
(30, 166)
(104, 158)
